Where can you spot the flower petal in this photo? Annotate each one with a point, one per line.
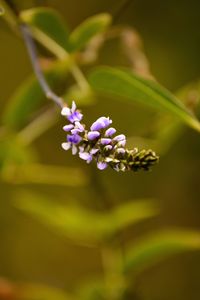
(102, 165)
(74, 149)
(75, 116)
(110, 131)
(105, 141)
(94, 151)
(79, 126)
(73, 106)
(68, 127)
(92, 135)
(119, 138)
(65, 111)
(85, 156)
(66, 146)
(100, 123)
(74, 138)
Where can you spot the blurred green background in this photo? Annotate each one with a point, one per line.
(30, 251)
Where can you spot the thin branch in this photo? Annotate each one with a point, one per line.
(36, 66)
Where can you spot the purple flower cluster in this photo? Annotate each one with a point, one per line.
(100, 144)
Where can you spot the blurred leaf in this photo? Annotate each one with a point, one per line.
(29, 96)
(45, 174)
(83, 225)
(95, 289)
(38, 126)
(132, 212)
(167, 131)
(42, 292)
(83, 97)
(8, 15)
(123, 83)
(88, 29)
(190, 94)
(48, 28)
(13, 152)
(2, 10)
(159, 246)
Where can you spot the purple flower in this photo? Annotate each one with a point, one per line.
(68, 127)
(108, 147)
(98, 144)
(72, 114)
(119, 138)
(92, 135)
(100, 123)
(85, 156)
(94, 151)
(74, 138)
(110, 131)
(102, 165)
(76, 116)
(67, 146)
(65, 111)
(77, 128)
(105, 141)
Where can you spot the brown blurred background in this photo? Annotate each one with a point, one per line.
(30, 252)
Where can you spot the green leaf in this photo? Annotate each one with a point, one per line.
(81, 225)
(46, 174)
(88, 29)
(159, 246)
(125, 84)
(48, 28)
(83, 97)
(167, 130)
(8, 15)
(38, 291)
(190, 95)
(12, 152)
(29, 96)
(130, 213)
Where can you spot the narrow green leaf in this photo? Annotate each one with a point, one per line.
(88, 29)
(72, 222)
(132, 212)
(125, 84)
(47, 175)
(190, 95)
(13, 152)
(159, 246)
(167, 132)
(8, 15)
(75, 222)
(34, 291)
(48, 28)
(29, 96)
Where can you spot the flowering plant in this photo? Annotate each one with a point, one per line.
(78, 214)
(99, 144)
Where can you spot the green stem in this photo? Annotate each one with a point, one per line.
(114, 280)
(110, 252)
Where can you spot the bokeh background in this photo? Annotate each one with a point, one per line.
(29, 251)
